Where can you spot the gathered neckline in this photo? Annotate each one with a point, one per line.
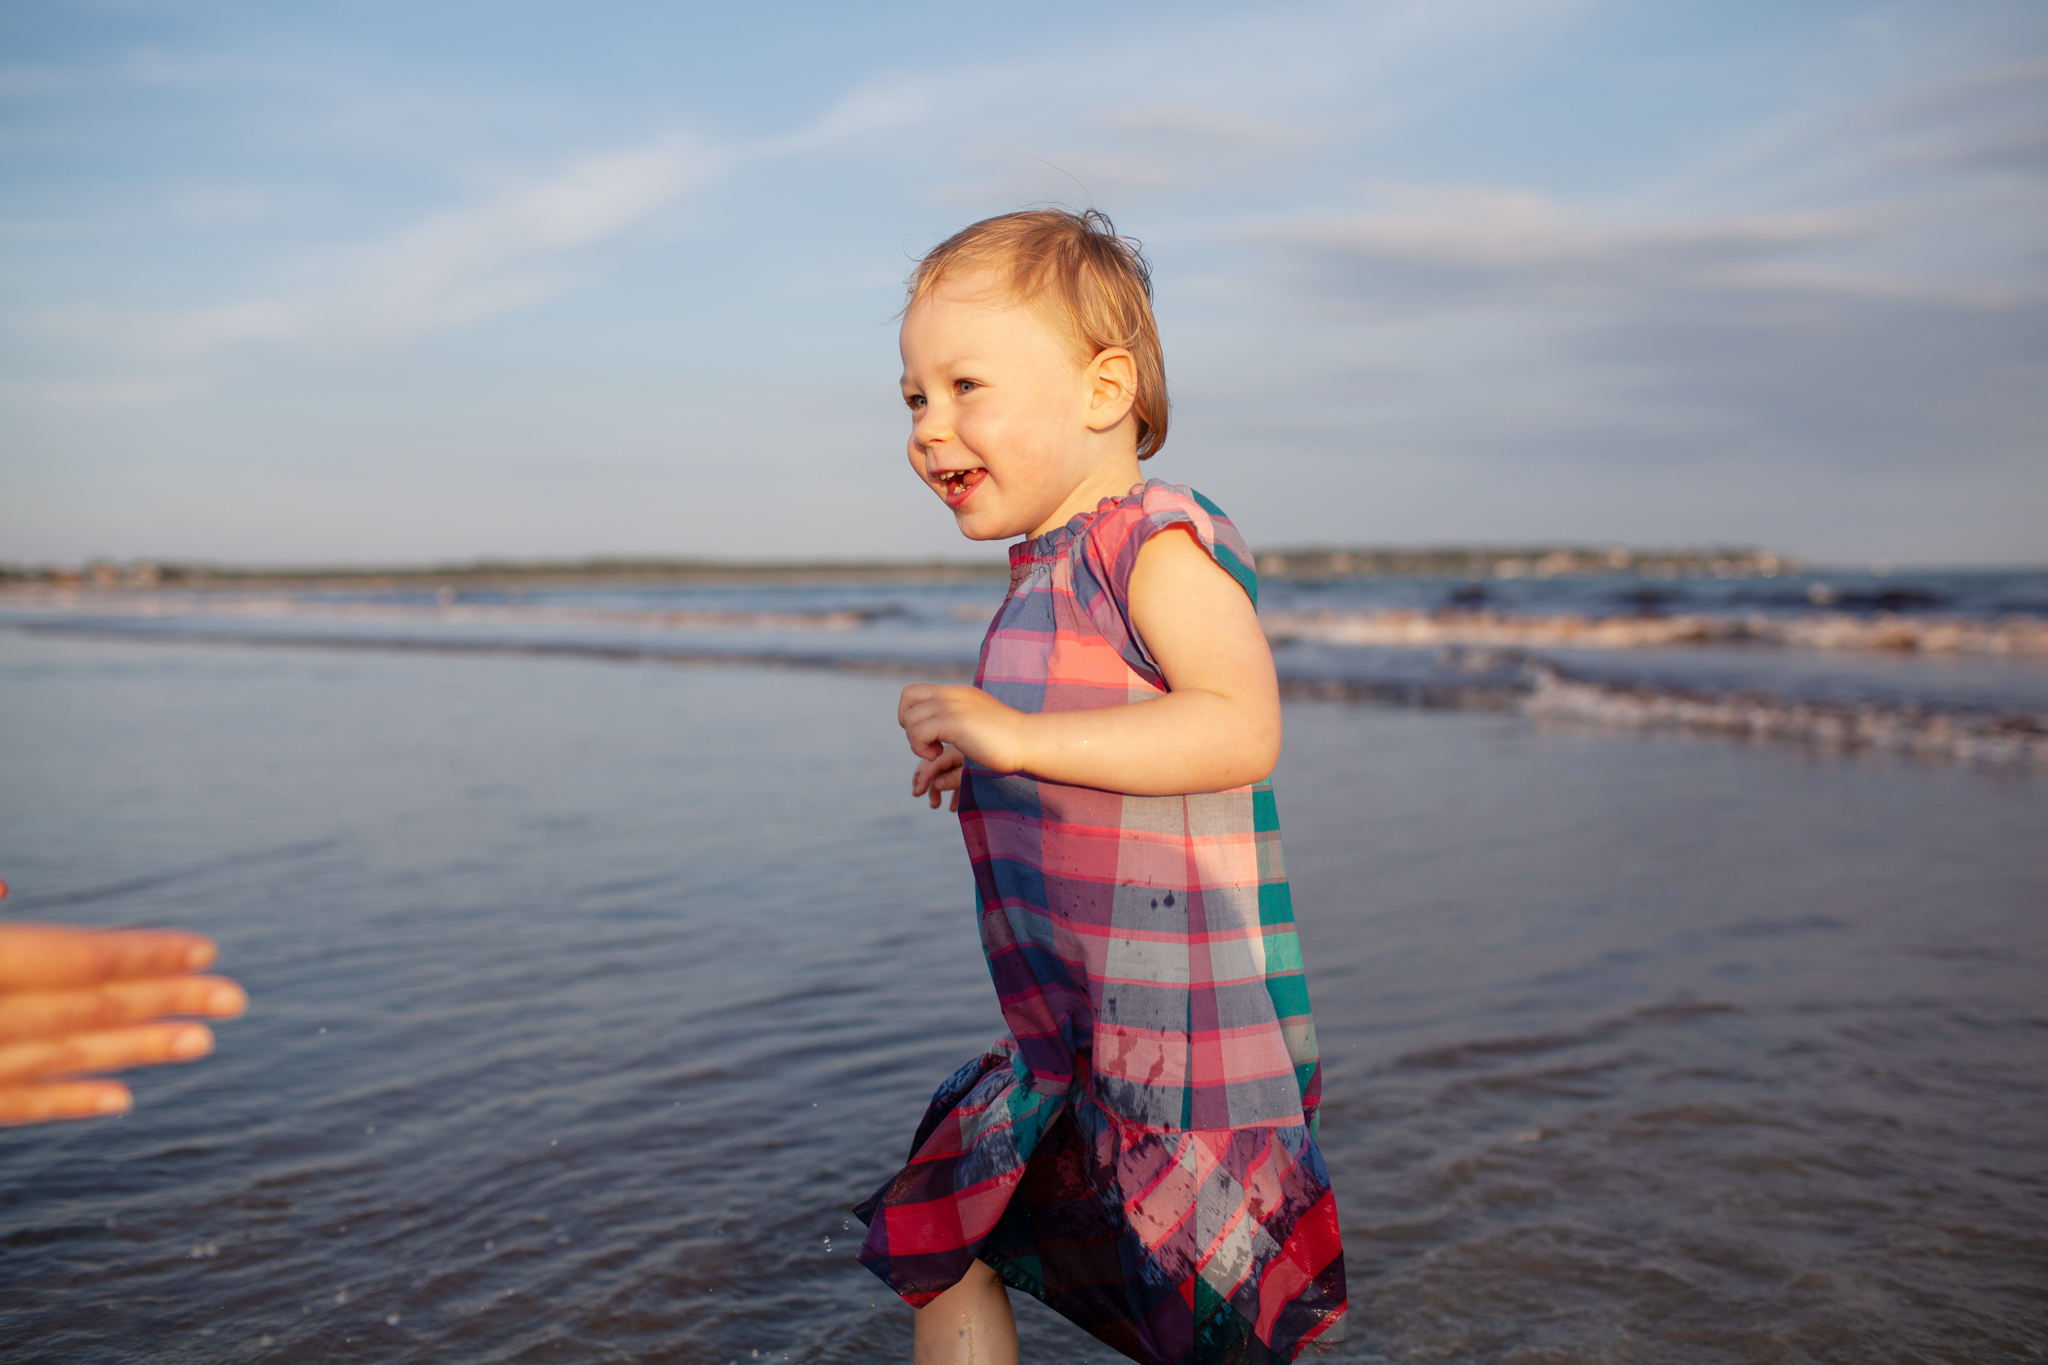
(1057, 539)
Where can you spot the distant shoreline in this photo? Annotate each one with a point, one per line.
(1467, 562)
(489, 574)
(1311, 564)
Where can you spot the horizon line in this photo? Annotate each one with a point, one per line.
(1495, 559)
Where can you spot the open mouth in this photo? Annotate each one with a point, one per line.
(956, 485)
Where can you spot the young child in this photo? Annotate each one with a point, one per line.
(1140, 1152)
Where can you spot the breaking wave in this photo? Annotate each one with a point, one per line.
(2009, 737)
(2012, 635)
(1541, 690)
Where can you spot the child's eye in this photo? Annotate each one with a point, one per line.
(914, 401)
(963, 387)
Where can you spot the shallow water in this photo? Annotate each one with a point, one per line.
(588, 995)
(1948, 667)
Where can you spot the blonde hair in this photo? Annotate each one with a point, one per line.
(1074, 267)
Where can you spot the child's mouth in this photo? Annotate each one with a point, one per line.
(957, 485)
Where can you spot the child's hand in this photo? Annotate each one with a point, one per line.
(937, 775)
(964, 718)
(76, 1001)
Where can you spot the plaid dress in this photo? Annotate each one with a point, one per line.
(1139, 1152)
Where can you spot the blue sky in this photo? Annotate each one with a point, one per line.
(400, 282)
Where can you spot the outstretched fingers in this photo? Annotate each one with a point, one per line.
(48, 1014)
(74, 1002)
(43, 1059)
(50, 956)
(63, 1100)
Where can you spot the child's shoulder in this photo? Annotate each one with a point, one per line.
(1123, 526)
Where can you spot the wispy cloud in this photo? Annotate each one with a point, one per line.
(531, 243)
(522, 248)
(1149, 149)
(871, 107)
(1435, 245)
(173, 335)
(104, 393)
(1500, 230)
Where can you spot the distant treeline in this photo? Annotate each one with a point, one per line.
(1313, 563)
(144, 573)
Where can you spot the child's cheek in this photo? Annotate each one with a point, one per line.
(975, 429)
(999, 438)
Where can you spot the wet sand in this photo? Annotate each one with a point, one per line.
(588, 995)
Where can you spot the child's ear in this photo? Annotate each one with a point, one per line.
(1112, 387)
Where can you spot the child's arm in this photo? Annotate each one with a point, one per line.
(1217, 727)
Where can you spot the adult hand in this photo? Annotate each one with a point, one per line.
(78, 1001)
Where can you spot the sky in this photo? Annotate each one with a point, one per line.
(398, 283)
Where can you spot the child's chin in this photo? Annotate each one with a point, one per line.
(977, 527)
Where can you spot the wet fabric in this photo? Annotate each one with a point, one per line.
(1139, 1152)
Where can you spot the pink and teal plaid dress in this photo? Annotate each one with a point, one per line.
(1140, 1151)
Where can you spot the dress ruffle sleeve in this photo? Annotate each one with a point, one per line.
(1106, 553)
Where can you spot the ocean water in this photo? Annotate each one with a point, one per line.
(590, 990)
(1948, 666)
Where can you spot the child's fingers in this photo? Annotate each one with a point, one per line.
(49, 1014)
(63, 1100)
(948, 781)
(925, 738)
(917, 724)
(914, 696)
(107, 1050)
(937, 716)
(44, 956)
(936, 776)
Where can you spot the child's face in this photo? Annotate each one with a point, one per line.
(1000, 411)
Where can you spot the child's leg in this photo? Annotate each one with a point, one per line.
(969, 1324)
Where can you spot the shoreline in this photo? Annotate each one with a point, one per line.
(537, 577)
(1300, 564)
(1537, 689)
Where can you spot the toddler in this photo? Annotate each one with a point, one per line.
(1139, 1152)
